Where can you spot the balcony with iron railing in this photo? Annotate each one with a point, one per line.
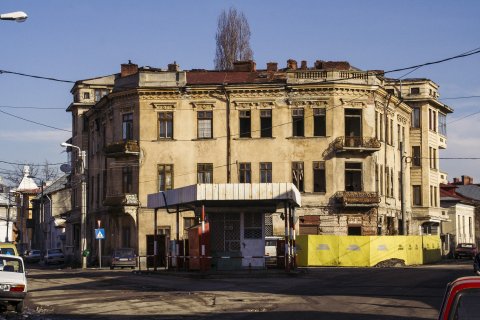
(122, 148)
(121, 200)
(367, 144)
(357, 198)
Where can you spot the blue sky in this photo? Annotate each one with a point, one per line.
(75, 40)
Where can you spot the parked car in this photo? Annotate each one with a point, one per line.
(468, 250)
(461, 299)
(124, 257)
(271, 245)
(476, 264)
(8, 248)
(32, 256)
(54, 256)
(13, 281)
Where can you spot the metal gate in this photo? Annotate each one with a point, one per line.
(225, 240)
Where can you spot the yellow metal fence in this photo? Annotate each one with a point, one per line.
(365, 251)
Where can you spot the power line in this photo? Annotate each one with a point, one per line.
(455, 98)
(35, 122)
(36, 108)
(35, 77)
(462, 55)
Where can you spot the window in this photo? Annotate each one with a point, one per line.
(244, 172)
(415, 90)
(205, 173)
(319, 122)
(416, 156)
(391, 183)
(353, 126)
(297, 175)
(86, 95)
(417, 195)
(319, 183)
(416, 117)
(391, 132)
(376, 124)
(298, 125)
(266, 123)
(126, 180)
(204, 125)
(165, 177)
(252, 222)
(127, 126)
(98, 189)
(381, 180)
(442, 124)
(353, 176)
(435, 192)
(165, 125)
(245, 124)
(433, 158)
(432, 120)
(100, 93)
(265, 172)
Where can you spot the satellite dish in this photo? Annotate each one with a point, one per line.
(65, 168)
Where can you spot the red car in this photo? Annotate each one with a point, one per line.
(461, 300)
(468, 250)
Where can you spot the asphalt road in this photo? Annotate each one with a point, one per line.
(318, 293)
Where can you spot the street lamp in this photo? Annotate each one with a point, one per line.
(18, 16)
(83, 219)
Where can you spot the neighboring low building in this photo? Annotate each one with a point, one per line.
(7, 216)
(460, 227)
(51, 205)
(471, 191)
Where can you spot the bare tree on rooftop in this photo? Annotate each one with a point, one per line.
(45, 172)
(233, 39)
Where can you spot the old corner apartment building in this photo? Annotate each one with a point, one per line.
(333, 130)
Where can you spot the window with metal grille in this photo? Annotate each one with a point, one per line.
(297, 175)
(245, 124)
(268, 225)
(265, 172)
(266, 123)
(204, 172)
(319, 183)
(127, 126)
(165, 177)
(205, 124)
(165, 125)
(319, 122)
(244, 172)
(298, 123)
(252, 225)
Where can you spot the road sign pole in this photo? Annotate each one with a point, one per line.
(99, 247)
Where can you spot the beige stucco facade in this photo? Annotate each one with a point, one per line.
(335, 132)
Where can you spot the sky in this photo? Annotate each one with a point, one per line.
(74, 40)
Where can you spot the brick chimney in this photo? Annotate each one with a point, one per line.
(245, 66)
(292, 64)
(173, 67)
(467, 180)
(303, 65)
(128, 69)
(272, 66)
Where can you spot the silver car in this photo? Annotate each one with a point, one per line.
(13, 281)
(54, 256)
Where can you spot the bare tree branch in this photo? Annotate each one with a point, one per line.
(232, 39)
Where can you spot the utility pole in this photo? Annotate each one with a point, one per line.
(83, 221)
(403, 160)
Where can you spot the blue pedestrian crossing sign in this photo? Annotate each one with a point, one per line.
(100, 233)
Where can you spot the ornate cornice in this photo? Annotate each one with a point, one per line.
(164, 105)
(203, 105)
(252, 104)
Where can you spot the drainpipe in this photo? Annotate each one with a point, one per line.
(229, 155)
